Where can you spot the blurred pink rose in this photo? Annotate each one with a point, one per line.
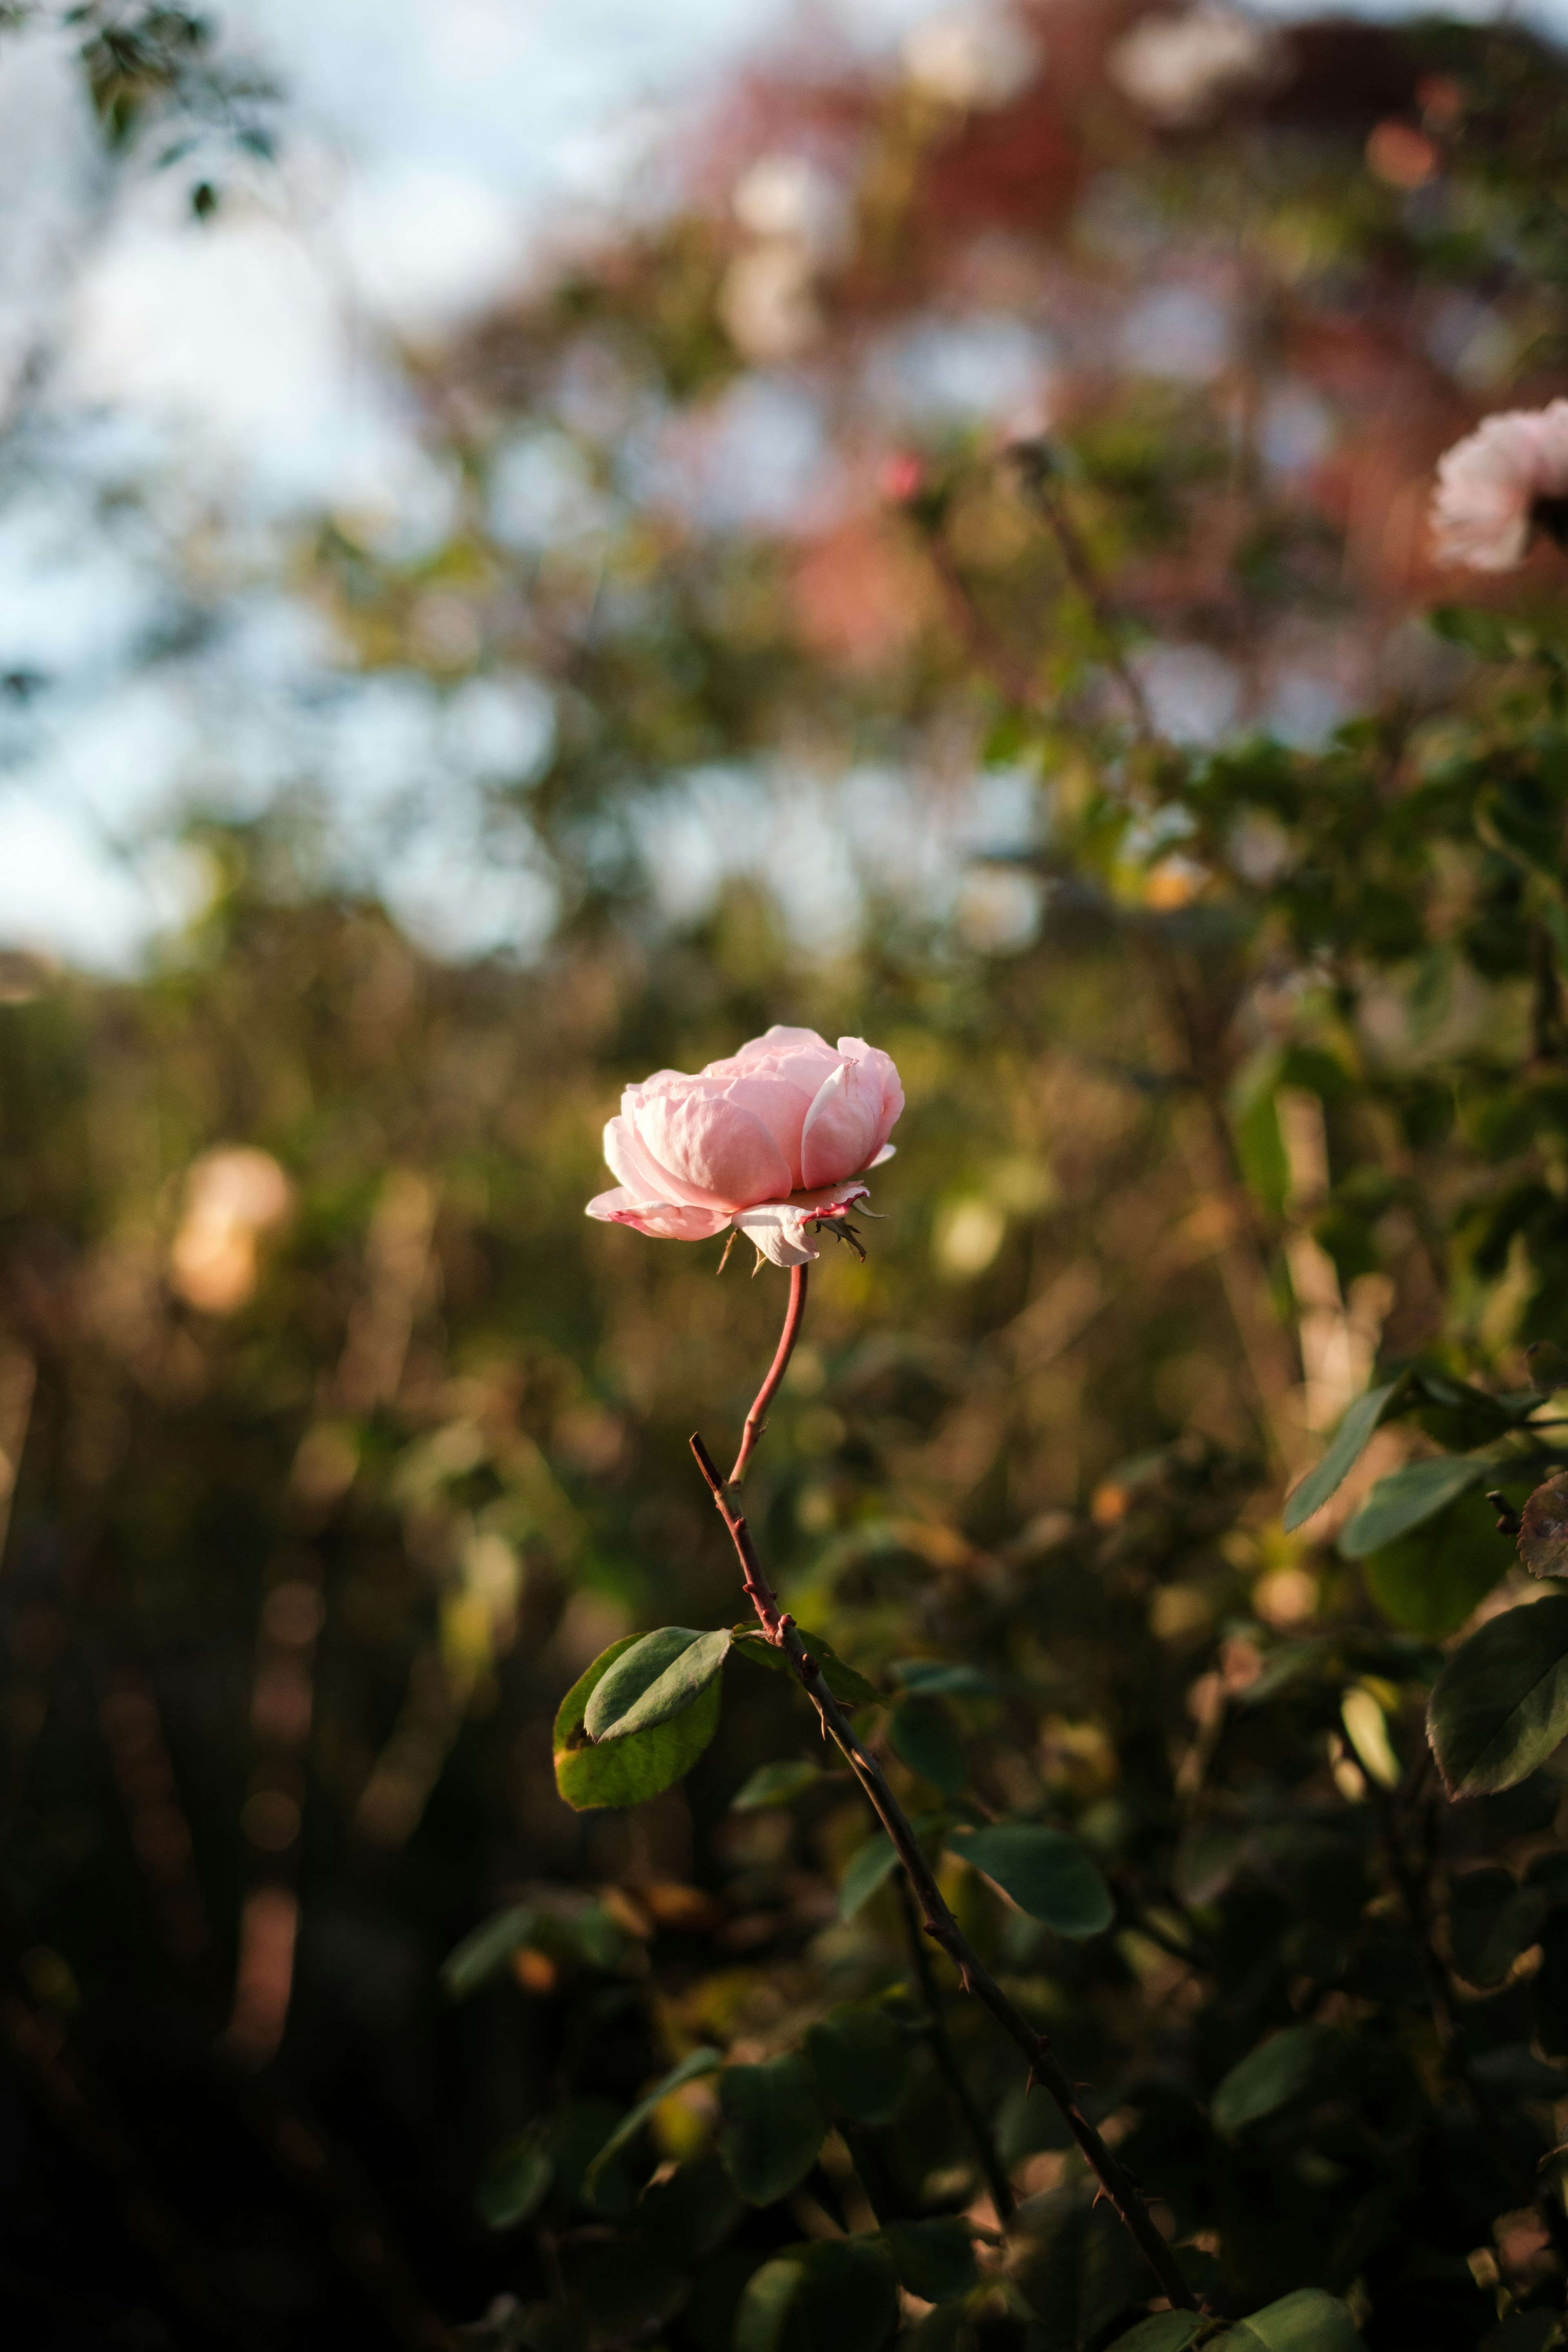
(769, 1141)
(1508, 477)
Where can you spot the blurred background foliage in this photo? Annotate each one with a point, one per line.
(954, 573)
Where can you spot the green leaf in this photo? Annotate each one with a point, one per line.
(515, 2180)
(1307, 2321)
(877, 1860)
(848, 1686)
(1073, 2263)
(1477, 629)
(657, 1678)
(697, 2064)
(945, 1678)
(839, 2296)
(485, 1951)
(1278, 2070)
(862, 2061)
(1046, 1875)
(1167, 2331)
(1350, 1442)
(776, 1784)
(772, 2125)
(1406, 1498)
(925, 1738)
(1544, 1532)
(762, 2313)
(1500, 1704)
(935, 2259)
(627, 1772)
(1491, 1919)
(1255, 1123)
(1430, 1581)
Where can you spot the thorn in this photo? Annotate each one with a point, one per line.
(1030, 2084)
(807, 1663)
(1509, 1522)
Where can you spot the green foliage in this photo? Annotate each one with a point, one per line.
(862, 2059)
(1501, 1705)
(1307, 2321)
(926, 1739)
(691, 2069)
(658, 1678)
(869, 1868)
(1409, 1498)
(1278, 2070)
(1430, 1582)
(515, 2181)
(775, 1784)
(772, 2120)
(1046, 1875)
(1350, 1442)
(1073, 2263)
(839, 2296)
(629, 1770)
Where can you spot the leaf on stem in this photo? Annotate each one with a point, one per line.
(659, 1676)
(1073, 2262)
(697, 2064)
(776, 1784)
(1500, 1704)
(627, 1772)
(515, 2180)
(839, 2296)
(1278, 2071)
(1165, 2331)
(1407, 1497)
(848, 1686)
(943, 1677)
(1046, 1875)
(935, 2259)
(925, 1738)
(876, 1861)
(483, 1953)
(1307, 2321)
(772, 2125)
(862, 2061)
(1350, 1442)
(1430, 1580)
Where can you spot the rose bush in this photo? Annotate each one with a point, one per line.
(769, 1141)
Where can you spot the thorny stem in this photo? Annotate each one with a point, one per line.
(756, 1420)
(946, 2057)
(935, 1919)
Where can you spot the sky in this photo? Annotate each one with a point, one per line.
(437, 152)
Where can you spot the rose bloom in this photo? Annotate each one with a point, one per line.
(769, 1143)
(1508, 477)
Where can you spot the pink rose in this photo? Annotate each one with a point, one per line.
(1509, 476)
(768, 1142)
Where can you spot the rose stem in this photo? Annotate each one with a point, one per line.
(936, 1920)
(756, 1421)
(946, 2057)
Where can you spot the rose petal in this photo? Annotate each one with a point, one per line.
(664, 1221)
(845, 1126)
(720, 1154)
